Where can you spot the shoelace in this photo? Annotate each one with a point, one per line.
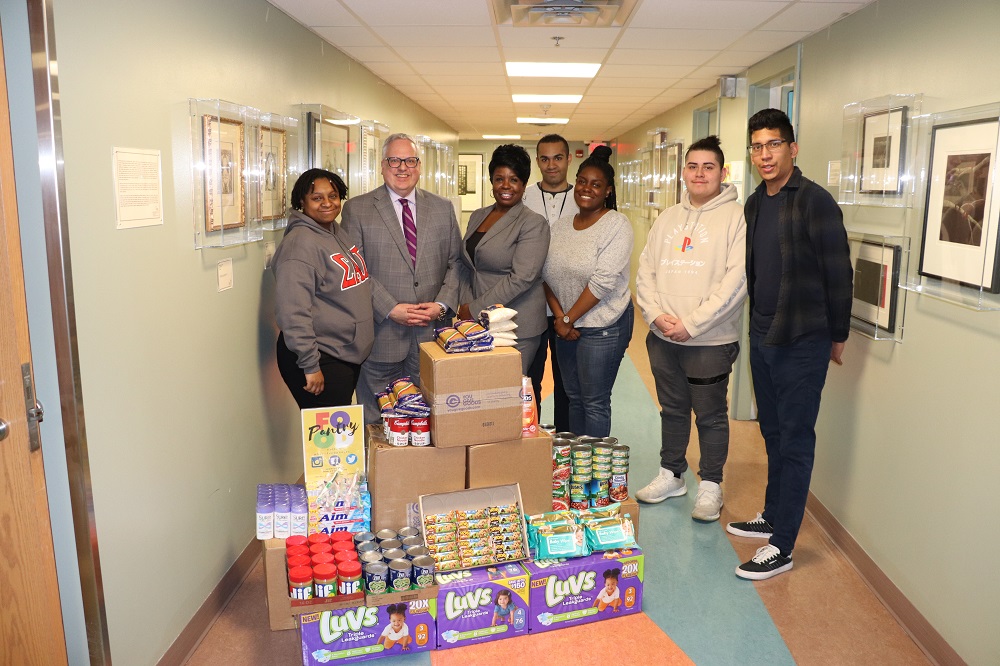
(765, 553)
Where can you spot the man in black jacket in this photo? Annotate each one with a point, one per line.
(799, 277)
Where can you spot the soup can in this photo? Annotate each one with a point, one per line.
(382, 535)
(390, 544)
(423, 571)
(393, 554)
(371, 557)
(376, 578)
(420, 431)
(412, 541)
(413, 552)
(400, 571)
(362, 537)
(408, 531)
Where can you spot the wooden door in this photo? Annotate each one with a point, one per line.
(31, 629)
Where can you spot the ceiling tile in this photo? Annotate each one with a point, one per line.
(683, 39)
(722, 14)
(370, 54)
(460, 68)
(528, 86)
(771, 39)
(419, 53)
(701, 83)
(517, 54)
(575, 38)
(316, 12)
(467, 80)
(391, 70)
(341, 36)
(420, 12)
(623, 55)
(812, 16)
(439, 35)
(645, 71)
(714, 71)
(738, 58)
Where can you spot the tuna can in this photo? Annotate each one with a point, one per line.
(619, 452)
(584, 439)
(565, 435)
(376, 577)
(412, 541)
(420, 431)
(367, 547)
(610, 440)
(408, 532)
(393, 554)
(547, 427)
(382, 535)
(423, 571)
(399, 430)
(582, 453)
(362, 537)
(390, 544)
(370, 557)
(400, 571)
(413, 552)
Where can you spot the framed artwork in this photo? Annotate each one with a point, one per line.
(470, 181)
(960, 215)
(328, 146)
(672, 174)
(883, 141)
(273, 155)
(225, 151)
(876, 277)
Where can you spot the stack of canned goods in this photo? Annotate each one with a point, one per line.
(596, 468)
(619, 472)
(394, 560)
(561, 472)
(405, 415)
(583, 474)
(600, 493)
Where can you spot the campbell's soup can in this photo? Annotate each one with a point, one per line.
(399, 430)
(420, 431)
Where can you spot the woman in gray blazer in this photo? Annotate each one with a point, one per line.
(503, 253)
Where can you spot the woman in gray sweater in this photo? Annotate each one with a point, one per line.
(586, 285)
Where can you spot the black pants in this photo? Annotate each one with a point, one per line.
(537, 369)
(339, 378)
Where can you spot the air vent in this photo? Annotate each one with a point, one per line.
(558, 13)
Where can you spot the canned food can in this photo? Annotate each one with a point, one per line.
(367, 547)
(382, 535)
(408, 531)
(376, 578)
(420, 431)
(584, 439)
(620, 451)
(562, 473)
(400, 571)
(399, 430)
(581, 478)
(581, 452)
(362, 537)
(370, 557)
(602, 476)
(565, 435)
(390, 544)
(610, 440)
(423, 571)
(560, 504)
(411, 541)
(547, 427)
(619, 487)
(579, 504)
(393, 554)
(413, 552)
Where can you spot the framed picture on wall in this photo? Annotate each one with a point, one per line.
(883, 142)
(328, 146)
(273, 155)
(672, 175)
(225, 151)
(470, 181)
(960, 215)
(876, 278)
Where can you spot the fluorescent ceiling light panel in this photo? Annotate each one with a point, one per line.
(515, 137)
(546, 120)
(571, 70)
(547, 99)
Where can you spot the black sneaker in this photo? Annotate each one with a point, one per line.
(756, 528)
(766, 563)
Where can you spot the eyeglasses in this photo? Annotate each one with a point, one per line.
(772, 146)
(410, 162)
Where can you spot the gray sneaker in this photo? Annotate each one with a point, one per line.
(663, 486)
(708, 503)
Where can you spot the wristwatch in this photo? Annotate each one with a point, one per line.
(565, 319)
(444, 311)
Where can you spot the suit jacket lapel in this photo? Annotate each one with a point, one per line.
(384, 205)
(508, 219)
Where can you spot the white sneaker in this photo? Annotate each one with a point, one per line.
(708, 503)
(663, 486)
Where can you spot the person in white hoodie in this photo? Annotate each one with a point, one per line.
(690, 287)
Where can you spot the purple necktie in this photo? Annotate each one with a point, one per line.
(409, 231)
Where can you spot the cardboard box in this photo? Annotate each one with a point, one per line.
(365, 632)
(481, 605)
(281, 608)
(565, 593)
(475, 398)
(416, 594)
(398, 475)
(526, 462)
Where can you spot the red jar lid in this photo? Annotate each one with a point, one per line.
(322, 558)
(341, 546)
(342, 536)
(318, 548)
(324, 572)
(299, 561)
(319, 538)
(296, 550)
(300, 575)
(350, 569)
(297, 540)
(346, 555)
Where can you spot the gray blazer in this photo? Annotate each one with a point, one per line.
(371, 219)
(508, 267)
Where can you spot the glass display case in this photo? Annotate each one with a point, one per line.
(879, 304)
(373, 133)
(278, 167)
(330, 138)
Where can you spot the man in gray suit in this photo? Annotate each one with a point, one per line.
(410, 241)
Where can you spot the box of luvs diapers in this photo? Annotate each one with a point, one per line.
(565, 593)
(365, 632)
(480, 605)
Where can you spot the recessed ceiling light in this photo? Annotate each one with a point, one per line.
(573, 70)
(502, 136)
(547, 99)
(545, 120)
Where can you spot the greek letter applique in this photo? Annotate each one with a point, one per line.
(355, 269)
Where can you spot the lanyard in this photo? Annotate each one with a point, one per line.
(565, 194)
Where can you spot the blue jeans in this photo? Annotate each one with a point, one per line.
(788, 382)
(589, 367)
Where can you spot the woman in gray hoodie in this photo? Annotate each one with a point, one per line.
(323, 302)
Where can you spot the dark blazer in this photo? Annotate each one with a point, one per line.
(372, 220)
(508, 267)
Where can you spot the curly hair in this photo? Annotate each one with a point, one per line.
(514, 158)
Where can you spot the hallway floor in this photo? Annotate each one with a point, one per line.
(695, 609)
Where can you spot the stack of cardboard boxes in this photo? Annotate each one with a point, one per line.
(476, 441)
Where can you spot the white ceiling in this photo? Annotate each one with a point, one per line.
(449, 55)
